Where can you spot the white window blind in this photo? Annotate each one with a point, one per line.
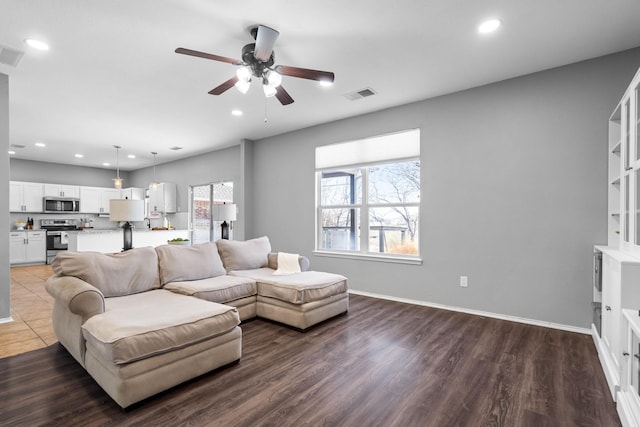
(395, 146)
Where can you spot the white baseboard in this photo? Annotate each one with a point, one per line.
(477, 312)
(6, 320)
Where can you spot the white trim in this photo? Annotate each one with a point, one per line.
(370, 257)
(6, 320)
(517, 319)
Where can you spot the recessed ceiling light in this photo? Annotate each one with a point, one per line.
(131, 156)
(106, 164)
(11, 152)
(37, 44)
(236, 112)
(489, 26)
(79, 156)
(40, 144)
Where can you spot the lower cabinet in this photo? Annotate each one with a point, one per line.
(620, 290)
(628, 401)
(27, 247)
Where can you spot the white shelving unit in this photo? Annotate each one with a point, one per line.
(618, 342)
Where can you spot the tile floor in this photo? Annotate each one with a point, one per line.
(31, 309)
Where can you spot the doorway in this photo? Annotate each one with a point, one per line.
(203, 197)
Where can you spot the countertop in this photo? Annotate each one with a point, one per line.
(119, 230)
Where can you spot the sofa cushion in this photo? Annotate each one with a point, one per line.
(181, 263)
(143, 325)
(221, 289)
(116, 274)
(244, 255)
(299, 288)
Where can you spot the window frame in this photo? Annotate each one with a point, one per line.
(364, 208)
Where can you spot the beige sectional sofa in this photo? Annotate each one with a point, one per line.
(148, 319)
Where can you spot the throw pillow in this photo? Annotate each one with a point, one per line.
(287, 264)
(182, 263)
(244, 255)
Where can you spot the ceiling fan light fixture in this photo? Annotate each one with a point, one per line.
(325, 83)
(269, 90)
(242, 86)
(273, 78)
(244, 74)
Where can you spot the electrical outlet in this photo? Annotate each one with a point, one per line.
(464, 281)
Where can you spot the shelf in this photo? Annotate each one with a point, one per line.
(616, 147)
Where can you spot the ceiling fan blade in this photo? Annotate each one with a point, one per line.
(207, 56)
(219, 90)
(305, 73)
(283, 96)
(265, 40)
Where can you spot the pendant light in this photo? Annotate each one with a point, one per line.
(154, 183)
(117, 181)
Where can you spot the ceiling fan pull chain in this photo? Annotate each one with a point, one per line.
(265, 110)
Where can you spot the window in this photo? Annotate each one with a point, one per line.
(369, 196)
(202, 198)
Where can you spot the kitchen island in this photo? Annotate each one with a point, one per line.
(108, 241)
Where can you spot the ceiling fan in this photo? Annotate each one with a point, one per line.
(257, 61)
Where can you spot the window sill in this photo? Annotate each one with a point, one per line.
(371, 257)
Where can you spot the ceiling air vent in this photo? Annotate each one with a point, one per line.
(9, 56)
(359, 94)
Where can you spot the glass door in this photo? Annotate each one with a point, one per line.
(634, 130)
(627, 175)
(203, 197)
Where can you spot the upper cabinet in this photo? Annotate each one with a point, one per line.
(96, 199)
(624, 171)
(58, 190)
(163, 198)
(133, 193)
(25, 196)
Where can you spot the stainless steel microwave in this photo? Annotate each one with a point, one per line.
(61, 205)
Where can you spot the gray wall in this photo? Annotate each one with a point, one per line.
(215, 166)
(205, 168)
(513, 192)
(5, 276)
(55, 173)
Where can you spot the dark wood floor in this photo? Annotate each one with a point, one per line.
(383, 364)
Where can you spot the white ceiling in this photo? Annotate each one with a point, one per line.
(111, 76)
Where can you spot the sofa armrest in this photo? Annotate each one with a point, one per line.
(273, 261)
(79, 296)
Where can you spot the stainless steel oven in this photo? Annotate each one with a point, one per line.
(57, 235)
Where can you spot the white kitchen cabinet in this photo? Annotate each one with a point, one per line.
(133, 193)
(27, 247)
(25, 196)
(163, 198)
(96, 199)
(59, 190)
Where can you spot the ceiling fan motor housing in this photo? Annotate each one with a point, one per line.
(257, 67)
